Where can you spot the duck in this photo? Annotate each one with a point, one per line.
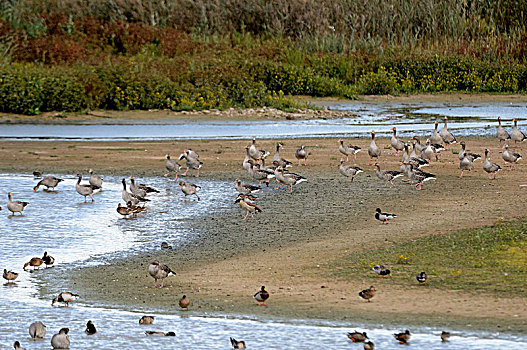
(48, 259)
(245, 188)
(255, 152)
(35, 262)
(368, 293)
(131, 197)
(383, 217)
(15, 206)
(95, 180)
(436, 138)
(160, 334)
(301, 153)
(446, 135)
(421, 277)
(64, 297)
(49, 182)
(402, 337)
(445, 336)
(184, 302)
(165, 245)
(146, 320)
(369, 346)
(501, 133)
(348, 170)
(190, 162)
(357, 337)
(281, 161)
(37, 330)
(396, 143)
(464, 152)
(159, 271)
(61, 340)
(387, 175)
(467, 163)
(171, 166)
(86, 189)
(288, 179)
(516, 134)
(10, 276)
(135, 208)
(124, 211)
(237, 344)
(381, 270)
(373, 151)
(261, 296)
(141, 190)
(37, 174)
(17, 346)
(189, 188)
(490, 167)
(348, 150)
(90, 328)
(247, 205)
(510, 156)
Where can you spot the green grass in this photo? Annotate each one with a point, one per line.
(488, 259)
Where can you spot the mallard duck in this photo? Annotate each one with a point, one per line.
(248, 205)
(94, 180)
(357, 337)
(510, 156)
(402, 337)
(445, 336)
(61, 340)
(159, 271)
(64, 297)
(160, 334)
(436, 138)
(10, 276)
(15, 206)
(86, 189)
(184, 302)
(49, 182)
(446, 135)
(373, 151)
(237, 344)
(130, 197)
(501, 133)
(516, 134)
(383, 217)
(140, 190)
(37, 330)
(301, 153)
(287, 178)
(255, 152)
(190, 162)
(387, 175)
(245, 188)
(146, 320)
(124, 211)
(368, 293)
(490, 167)
(369, 346)
(381, 270)
(17, 346)
(396, 143)
(48, 259)
(164, 245)
(34, 262)
(90, 328)
(189, 188)
(135, 208)
(261, 296)
(281, 161)
(421, 277)
(348, 170)
(348, 150)
(37, 174)
(171, 166)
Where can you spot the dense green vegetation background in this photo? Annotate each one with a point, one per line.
(74, 55)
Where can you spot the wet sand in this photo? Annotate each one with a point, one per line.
(294, 244)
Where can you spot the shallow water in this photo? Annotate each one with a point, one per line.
(78, 234)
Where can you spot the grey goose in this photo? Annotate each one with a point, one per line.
(189, 188)
(37, 330)
(490, 167)
(49, 182)
(516, 134)
(287, 178)
(245, 188)
(255, 152)
(501, 133)
(84, 189)
(348, 170)
(130, 197)
(159, 272)
(446, 135)
(245, 163)
(387, 175)
(172, 166)
(373, 151)
(301, 153)
(284, 163)
(463, 152)
(436, 138)
(510, 156)
(348, 150)
(15, 206)
(61, 340)
(95, 180)
(190, 162)
(141, 190)
(260, 174)
(396, 143)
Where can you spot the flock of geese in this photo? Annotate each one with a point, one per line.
(254, 163)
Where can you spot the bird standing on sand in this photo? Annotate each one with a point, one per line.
(301, 153)
(61, 340)
(184, 302)
(467, 163)
(383, 217)
(501, 133)
(37, 330)
(261, 296)
(245, 188)
(381, 270)
(255, 152)
(387, 175)
(397, 144)
(284, 163)
(436, 138)
(248, 205)
(490, 167)
(510, 156)
(65, 297)
(421, 277)
(172, 166)
(287, 178)
(90, 328)
(348, 150)
(357, 337)
(237, 344)
(516, 134)
(373, 151)
(159, 271)
(402, 337)
(368, 293)
(446, 135)
(189, 188)
(348, 170)
(191, 161)
(10, 276)
(146, 320)
(15, 206)
(49, 182)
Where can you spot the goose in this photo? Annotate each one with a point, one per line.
(245, 163)
(184, 302)
(436, 138)
(261, 296)
(172, 166)
(418, 146)
(10, 276)
(428, 152)
(48, 259)
(61, 340)
(160, 334)
(368, 293)
(95, 180)
(124, 211)
(387, 175)
(260, 174)
(463, 152)
(146, 320)
(467, 163)
(255, 152)
(15, 206)
(446, 135)
(418, 176)
(159, 271)
(130, 197)
(35, 262)
(396, 143)
(417, 162)
(189, 188)
(37, 330)
(421, 277)
(490, 167)
(190, 162)
(17, 346)
(245, 188)
(237, 344)
(445, 336)
(84, 190)
(369, 346)
(501, 133)
(402, 337)
(373, 151)
(269, 168)
(288, 179)
(357, 337)
(247, 205)
(348, 150)
(510, 156)
(301, 153)
(281, 161)
(49, 182)
(383, 217)
(191, 153)
(381, 270)
(516, 134)
(406, 154)
(64, 297)
(414, 149)
(348, 170)
(141, 190)
(90, 328)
